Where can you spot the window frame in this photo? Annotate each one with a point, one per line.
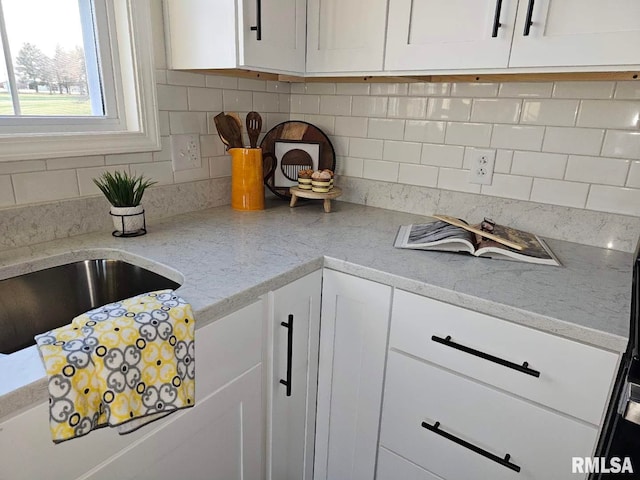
(130, 123)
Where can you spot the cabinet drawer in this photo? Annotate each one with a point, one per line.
(539, 442)
(394, 467)
(573, 378)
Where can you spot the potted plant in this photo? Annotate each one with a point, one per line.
(124, 193)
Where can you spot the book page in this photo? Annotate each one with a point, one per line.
(428, 233)
(534, 250)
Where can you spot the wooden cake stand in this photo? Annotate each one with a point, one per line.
(296, 192)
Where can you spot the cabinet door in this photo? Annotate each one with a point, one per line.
(345, 35)
(218, 439)
(291, 418)
(449, 34)
(577, 32)
(353, 339)
(282, 28)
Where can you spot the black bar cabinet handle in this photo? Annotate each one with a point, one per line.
(496, 19)
(528, 22)
(474, 448)
(524, 368)
(289, 327)
(258, 26)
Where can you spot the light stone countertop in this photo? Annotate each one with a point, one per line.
(227, 259)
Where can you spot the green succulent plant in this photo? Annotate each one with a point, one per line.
(122, 189)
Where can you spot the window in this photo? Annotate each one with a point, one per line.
(76, 78)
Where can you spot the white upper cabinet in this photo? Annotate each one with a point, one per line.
(449, 34)
(345, 35)
(257, 34)
(576, 33)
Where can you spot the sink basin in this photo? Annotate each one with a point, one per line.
(40, 301)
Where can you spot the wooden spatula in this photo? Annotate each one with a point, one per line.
(228, 130)
(254, 127)
(490, 236)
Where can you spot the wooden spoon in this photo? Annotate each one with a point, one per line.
(254, 127)
(237, 119)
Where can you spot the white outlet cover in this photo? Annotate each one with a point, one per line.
(482, 167)
(185, 152)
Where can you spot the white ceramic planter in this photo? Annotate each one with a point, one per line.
(131, 217)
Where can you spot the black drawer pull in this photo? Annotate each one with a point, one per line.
(524, 368)
(289, 327)
(502, 461)
(528, 22)
(496, 19)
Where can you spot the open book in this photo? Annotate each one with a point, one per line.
(443, 236)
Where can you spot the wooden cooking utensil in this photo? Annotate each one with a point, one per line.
(254, 127)
(216, 119)
(228, 130)
(293, 161)
(490, 236)
(238, 120)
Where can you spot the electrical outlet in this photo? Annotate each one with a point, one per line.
(185, 152)
(482, 167)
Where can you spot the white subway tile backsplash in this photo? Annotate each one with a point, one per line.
(561, 113)
(284, 103)
(172, 98)
(526, 90)
(252, 84)
(471, 134)
(221, 81)
(6, 191)
(429, 89)
(161, 172)
(625, 201)
(403, 152)
(627, 91)
(340, 145)
(127, 158)
(580, 141)
(204, 99)
(187, 79)
(366, 148)
(163, 121)
(622, 144)
(474, 89)
(86, 176)
(188, 122)
(351, 126)
(633, 179)
(504, 159)
(210, 146)
(7, 168)
(418, 175)
(314, 88)
(456, 179)
(237, 100)
(424, 131)
(278, 87)
(452, 109)
(45, 186)
(442, 155)
(192, 174)
(74, 162)
(273, 119)
(407, 107)
(509, 186)
(165, 153)
(353, 88)
(350, 166)
(369, 106)
(379, 170)
(559, 192)
(386, 128)
(501, 110)
(266, 102)
(471, 153)
(326, 123)
(609, 114)
(389, 88)
(536, 164)
(583, 89)
(220, 166)
(335, 105)
(517, 137)
(305, 104)
(598, 170)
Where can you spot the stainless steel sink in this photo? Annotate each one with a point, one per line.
(40, 301)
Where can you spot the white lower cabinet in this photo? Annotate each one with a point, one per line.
(353, 339)
(292, 382)
(394, 467)
(220, 438)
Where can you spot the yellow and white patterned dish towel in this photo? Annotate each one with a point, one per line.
(121, 365)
